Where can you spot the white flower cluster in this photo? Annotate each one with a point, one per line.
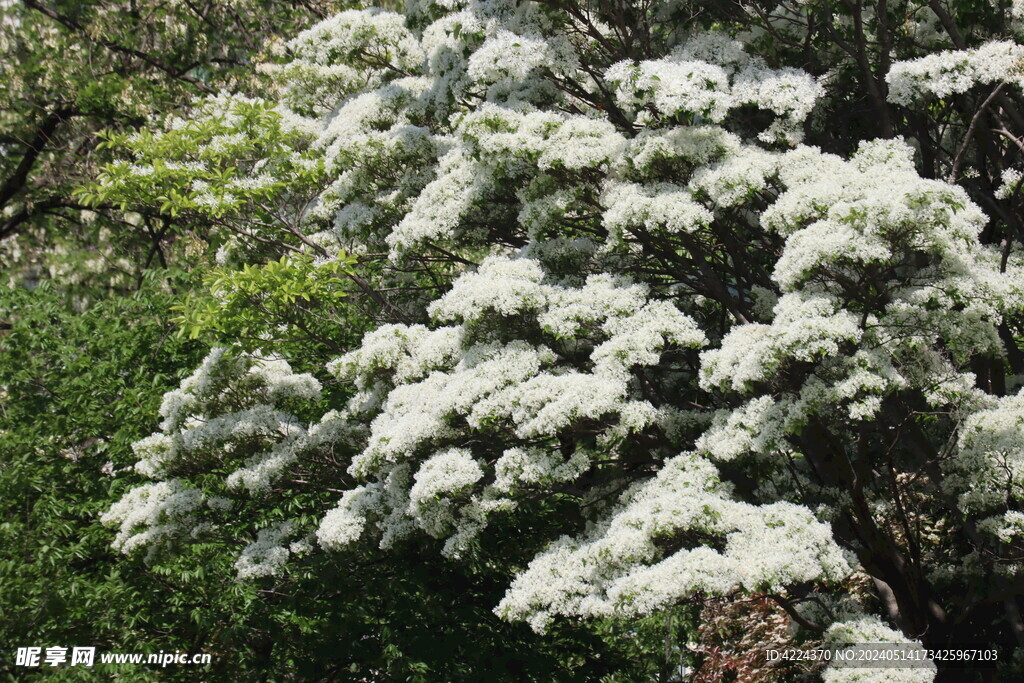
(709, 76)
(1008, 527)
(441, 478)
(719, 545)
(377, 156)
(869, 630)
(382, 503)
(267, 555)
(1016, 12)
(758, 426)
(805, 329)
(225, 416)
(697, 145)
(507, 55)
(658, 206)
(226, 403)
(345, 54)
(444, 201)
(530, 392)
(403, 353)
(543, 138)
(845, 223)
(522, 468)
(987, 473)
(956, 71)
(1010, 185)
(152, 514)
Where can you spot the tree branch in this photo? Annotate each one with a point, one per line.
(70, 23)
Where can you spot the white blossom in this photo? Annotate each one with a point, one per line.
(618, 567)
(955, 71)
(267, 555)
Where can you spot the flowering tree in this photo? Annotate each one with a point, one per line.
(639, 304)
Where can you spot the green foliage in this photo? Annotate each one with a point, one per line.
(78, 389)
(234, 153)
(236, 305)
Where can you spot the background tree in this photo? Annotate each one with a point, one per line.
(73, 69)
